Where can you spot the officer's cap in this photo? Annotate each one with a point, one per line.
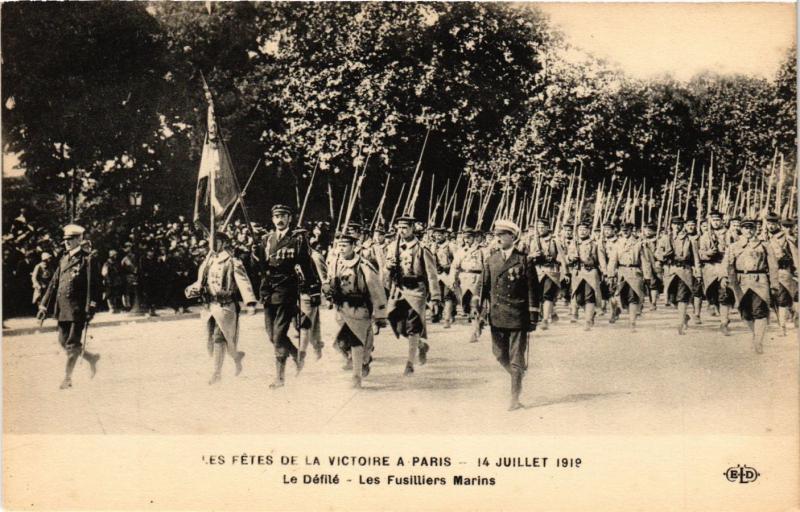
(542, 222)
(715, 214)
(628, 226)
(677, 220)
(73, 231)
(506, 226)
(748, 223)
(609, 224)
(736, 218)
(787, 223)
(379, 229)
(281, 209)
(691, 221)
(650, 225)
(585, 223)
(773, 217)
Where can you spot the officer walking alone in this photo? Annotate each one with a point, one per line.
(73, 294)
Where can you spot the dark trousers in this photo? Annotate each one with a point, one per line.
(679, 292)
(277, 319)
(69, 336)
(627, 296)
(510, 348)
(719, 296)
(585, 294)
(752, 307)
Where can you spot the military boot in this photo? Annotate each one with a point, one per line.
(516, 390)
(301, 361)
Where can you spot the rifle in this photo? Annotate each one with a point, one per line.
(308, 192)
(240, 196)
(379, 209)
(688, 192)
(416, 171)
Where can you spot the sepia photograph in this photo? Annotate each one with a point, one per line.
(399, 256)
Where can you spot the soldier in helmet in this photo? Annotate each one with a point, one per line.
(73, 294)
(414, 279)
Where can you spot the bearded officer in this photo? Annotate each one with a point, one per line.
(222, 282)
(287, 262)
(72, 295)
(510, 293)
(355, 288)
(414, 279)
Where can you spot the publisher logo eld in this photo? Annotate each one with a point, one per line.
(742, 474)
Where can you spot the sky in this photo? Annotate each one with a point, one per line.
(681, 39)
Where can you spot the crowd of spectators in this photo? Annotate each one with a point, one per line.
(143, 268)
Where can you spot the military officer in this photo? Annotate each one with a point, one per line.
(465, 275)
(588, 262)
(786, 255)
(286, 260)
(414, 278)
(222, 283)
(510, 293)
(630, 266)
(711, 248)
(682, 264)
(546, 253)
(753, 274)
(355, 288)
(73, 294)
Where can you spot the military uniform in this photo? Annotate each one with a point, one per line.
(280, 289)
(547, 253)
(465, 276)
(356, 290)
(415, 280)
(444, 261)
(753, 274)
(711, 248)
(40, 277)
(588, 263)
(511, 286)
(310, 330)
(681, 259)
(72, 296)
(223, 283)
(631, 264)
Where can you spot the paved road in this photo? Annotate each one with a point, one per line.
(153, 379)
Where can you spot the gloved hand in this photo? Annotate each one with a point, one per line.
(436, 307)
(41, 314)
(381, 322)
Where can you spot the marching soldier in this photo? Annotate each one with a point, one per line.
(444, 261)
(222, 283)
(606, 244)
(697, 289)
(356, 290)
(589, 263)
(414, 278)
(682, 264)
(112, 282)
(753, 274)
(786, 256)
(711, 248)
(286, 259)
(657, 283)
(73, 295)
(310, 331)
(630, 266)
(546, 253)
(465, 274)
(510, 293)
